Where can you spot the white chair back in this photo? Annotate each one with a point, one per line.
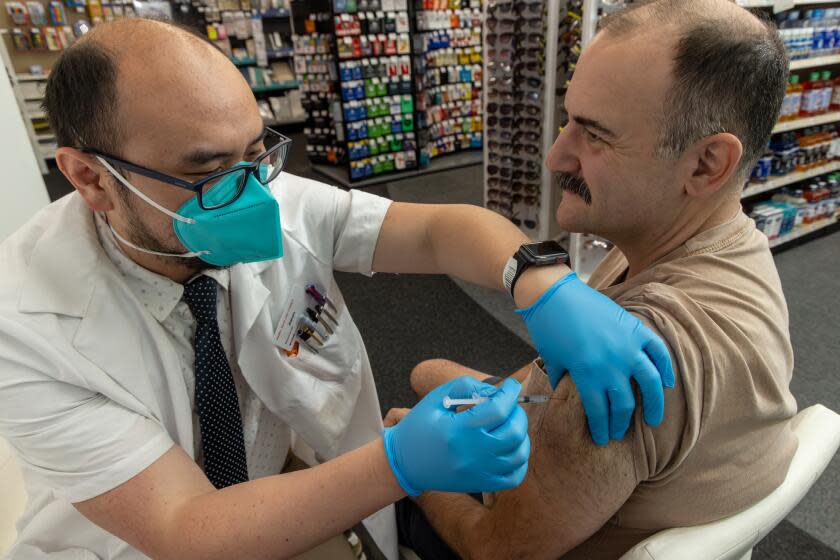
(733, 538)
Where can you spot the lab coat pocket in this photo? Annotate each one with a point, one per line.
(340, 356)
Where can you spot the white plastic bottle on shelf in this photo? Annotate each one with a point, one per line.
(828, 40)
(827, 91)
(809, 23)
(818, 24)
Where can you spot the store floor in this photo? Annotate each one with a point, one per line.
(405, 319)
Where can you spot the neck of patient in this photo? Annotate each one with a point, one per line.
(645, 246)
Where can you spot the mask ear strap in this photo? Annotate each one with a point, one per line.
(148, 200)
(142, 250)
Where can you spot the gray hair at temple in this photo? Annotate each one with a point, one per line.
(730, 72)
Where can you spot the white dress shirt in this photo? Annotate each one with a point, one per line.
(267, 439)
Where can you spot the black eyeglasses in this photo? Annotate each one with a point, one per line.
(224, 187)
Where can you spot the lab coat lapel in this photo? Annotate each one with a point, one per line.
(122, 339)
(70, 275)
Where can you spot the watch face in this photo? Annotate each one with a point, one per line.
(545, 249)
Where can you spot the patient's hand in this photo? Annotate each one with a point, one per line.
(394, 416)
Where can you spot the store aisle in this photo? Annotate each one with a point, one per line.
(810, 276)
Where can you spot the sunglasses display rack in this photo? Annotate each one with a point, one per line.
(531, 49)
(316, 69)
(448, 69)
(521, 44)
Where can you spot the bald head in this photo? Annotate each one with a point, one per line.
(728, 71)
(125, 75)
(655, 15)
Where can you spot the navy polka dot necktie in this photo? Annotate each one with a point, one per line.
(219, 417)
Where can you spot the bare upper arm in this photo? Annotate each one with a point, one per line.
(572, 489)
(403, 244)
(141, 510)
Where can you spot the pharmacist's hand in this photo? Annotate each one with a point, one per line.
(579, 330)
(482, 449)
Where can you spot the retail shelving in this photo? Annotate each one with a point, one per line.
(802, 231)
(30, 77)
(797, 124)
(815, 62)
(448, 71)
(759, 188)
(278, 13)
(279, 86)
(273, 54)
(23, 93)
(285, 122)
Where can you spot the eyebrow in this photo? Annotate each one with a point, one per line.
(202, 157)
(592, 123)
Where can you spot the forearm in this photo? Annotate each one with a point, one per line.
(280, 516)
(459, 520)
(475, 244)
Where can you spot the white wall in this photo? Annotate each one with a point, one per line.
(22, 189)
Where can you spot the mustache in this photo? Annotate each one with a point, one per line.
(572, 183)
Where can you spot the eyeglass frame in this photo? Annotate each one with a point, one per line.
(197, 186)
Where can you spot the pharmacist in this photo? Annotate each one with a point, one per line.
(171, 331)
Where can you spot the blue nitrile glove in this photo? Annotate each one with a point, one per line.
(577, 328)
(482, 449)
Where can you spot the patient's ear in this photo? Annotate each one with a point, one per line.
(712, 163)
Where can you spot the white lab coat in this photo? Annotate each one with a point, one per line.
(65, 308)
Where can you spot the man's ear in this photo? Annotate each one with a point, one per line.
(713, 162)
(85, 174)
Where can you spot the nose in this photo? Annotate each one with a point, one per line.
(563, 154)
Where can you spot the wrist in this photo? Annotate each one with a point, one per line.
(535, 281)
(389, 447)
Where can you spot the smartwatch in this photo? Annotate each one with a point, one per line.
(543, 253)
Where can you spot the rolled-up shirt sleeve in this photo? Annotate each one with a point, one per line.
(331, 223)
(80, 443)
(359, 217)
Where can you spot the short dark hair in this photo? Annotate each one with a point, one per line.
(81, 99)
(729, 75)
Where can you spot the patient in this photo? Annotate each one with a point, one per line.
(669, 109)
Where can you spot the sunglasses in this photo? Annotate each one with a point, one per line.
(499, 194)
(533, 7)
(507, 161)
(504, 135)
(529, 188)
(526, 148)
(501, 147)
(503, 208)
(504, 172)
(529, 66)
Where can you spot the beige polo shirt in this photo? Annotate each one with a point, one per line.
(725, 442)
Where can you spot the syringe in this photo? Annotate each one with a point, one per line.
(524, 399)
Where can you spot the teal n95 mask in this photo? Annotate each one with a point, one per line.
(246, 230)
